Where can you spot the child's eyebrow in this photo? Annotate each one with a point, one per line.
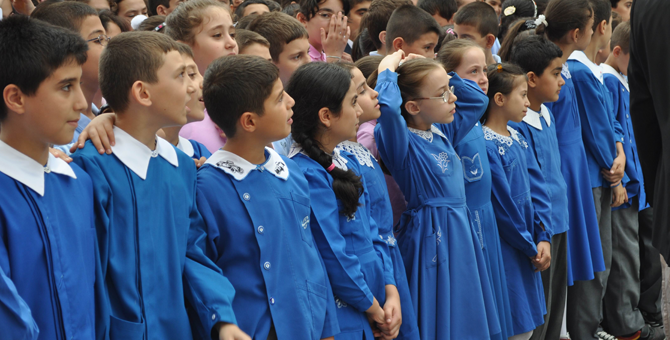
(280, 95)
(362, 84)
(180, 70)
(218, 27)
(67, 81)
(96, 33)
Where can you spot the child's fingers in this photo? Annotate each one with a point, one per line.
(109, 130)
(323, 34)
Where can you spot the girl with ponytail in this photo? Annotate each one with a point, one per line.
(326, 114)
(441, 251)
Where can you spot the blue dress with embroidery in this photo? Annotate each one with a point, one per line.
(381, 212)
(585, 254)
(446, 270)
(520, 203)
(477, 175)
(355, 270)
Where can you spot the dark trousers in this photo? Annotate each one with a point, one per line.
(555, 282)
(650, 267)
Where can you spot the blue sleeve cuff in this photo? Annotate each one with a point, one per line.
(543, 236)
(387, 76)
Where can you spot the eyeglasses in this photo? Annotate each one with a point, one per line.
(444, 96)
(326, 15)
(101, 39)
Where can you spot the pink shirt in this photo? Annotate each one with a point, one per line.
(205, 132)
(316, 55)
(366, 136)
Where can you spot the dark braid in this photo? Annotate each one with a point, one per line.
(315, 86)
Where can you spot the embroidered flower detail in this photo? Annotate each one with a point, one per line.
(502, 142)
(305, 222)
(391, 241)
(363, 155)
(351, 218)
(442, 160)
(438, 239)
(340, 303)
(279, 167)
(230, 166)
(566, 71)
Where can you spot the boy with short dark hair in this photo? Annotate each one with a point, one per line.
(47, 243)
(84, 20)
(252, 43)
(478, 22)
(326, 23)
(150, 233)
(249, 7)
(357, 9)
(259, 230)
(442, 10)
(377, 18)
(412, 30)
(163, 7)
(622, 298)
(542, 61)
(622, 8)
(289, 44)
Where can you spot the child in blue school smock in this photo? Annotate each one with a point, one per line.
(151, 237)
(468, 60)
(520, 200)
(47, 235)
(256, 206)
(541, 60)
(446, 270)
(403, 324)
(326, 114)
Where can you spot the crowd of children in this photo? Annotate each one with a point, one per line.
(326, 169)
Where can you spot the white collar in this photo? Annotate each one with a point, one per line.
(136, 156)
(186, 146)
(611, 70)
(428, 135)
(532, 118)
(240, 168)
(595, 69)
(565, 71)
(29, 172)
(362, 154)
(339, 161)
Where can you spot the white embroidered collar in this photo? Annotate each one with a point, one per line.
(186, 146)
(136, 156)
(595, 69)
(362, 154)
(240, 168)
(339, 161)
(611, 70)
(565, 71)
(29, 172)
(428, 135)
(533, 118)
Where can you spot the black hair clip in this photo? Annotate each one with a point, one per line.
(160, 27)
(530, 24)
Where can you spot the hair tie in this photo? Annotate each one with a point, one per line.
(541, 20)
(160, 27)
(500, 68)
(509, 11)
(530, 24)
(331, 167)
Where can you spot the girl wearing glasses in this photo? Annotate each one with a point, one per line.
(443, 256)
(520, 200)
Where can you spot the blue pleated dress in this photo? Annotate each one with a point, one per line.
(447, 274)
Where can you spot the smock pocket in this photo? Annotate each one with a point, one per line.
(125, 330)
(317, 299)
(303, 214)
(434, 250)
(472, 168)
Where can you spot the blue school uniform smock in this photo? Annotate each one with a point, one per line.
(443, 259)
(151, 240)
(539, 131)
(48, 248)
(258, 233)
(355, 270)
(193, 148)
(600, 129)
(618, 87)
(521, 203)
(381, 212)
(585, 254)
(477, 176)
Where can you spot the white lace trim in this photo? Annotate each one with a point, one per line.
(503, 142)
(566, 71)
(427, 135)
(362, 154)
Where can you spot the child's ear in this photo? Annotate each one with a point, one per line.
(398, 44)
(326, 117)
(140, 93)
(412, 108)
(161, 10)
(14, 98)
(247, 121)
(532, 79)
(602, 27)
(616, 52)
(302, 18)
(574, 35)
(490, 40)
(499, 99)
(382, 37)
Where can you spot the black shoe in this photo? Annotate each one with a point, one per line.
(654, 320)
(652, 333)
